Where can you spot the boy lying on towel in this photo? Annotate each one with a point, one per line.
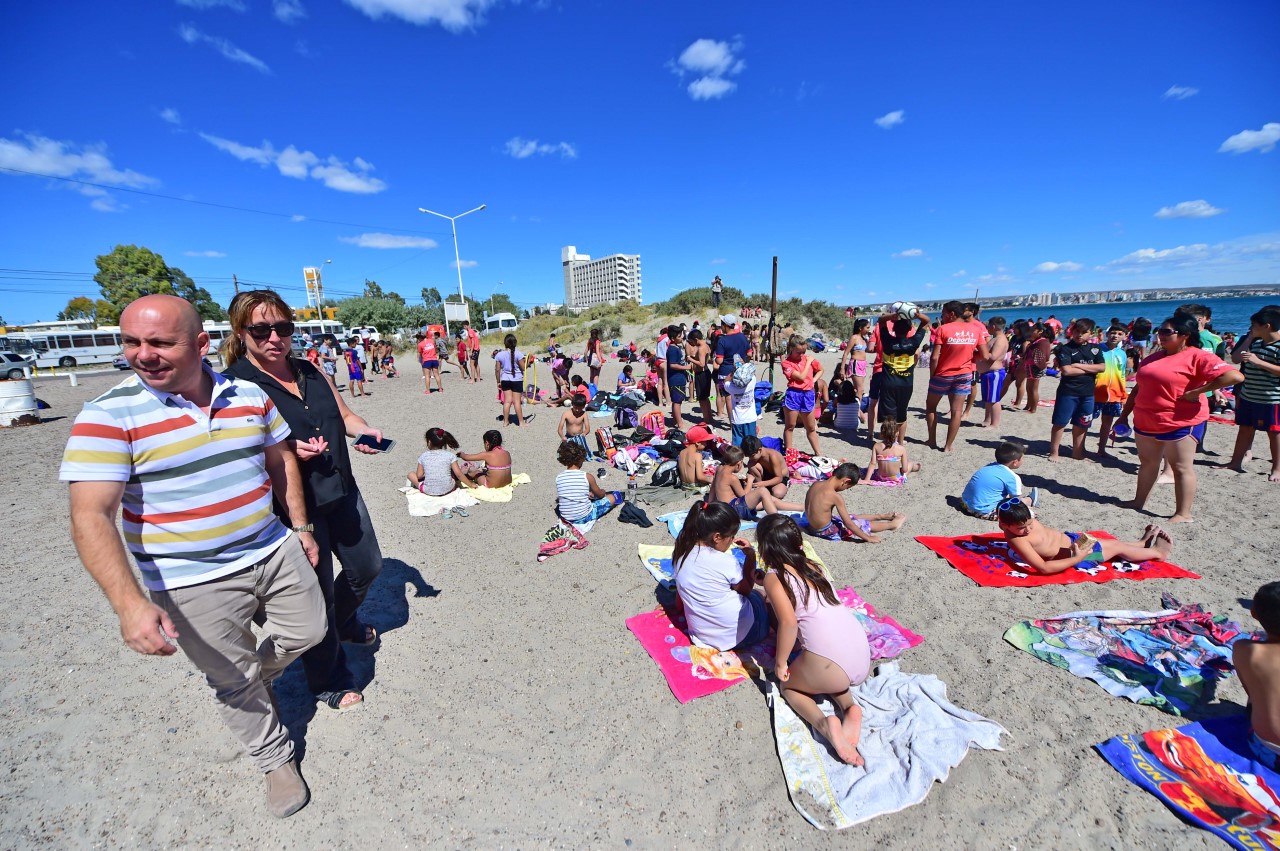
(1048, 551)
(829, 518)
(1258, 663)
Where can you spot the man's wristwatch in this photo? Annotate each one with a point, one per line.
(306, 527)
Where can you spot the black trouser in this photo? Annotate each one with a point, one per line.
(345, 530)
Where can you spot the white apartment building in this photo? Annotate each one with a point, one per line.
(607, 280)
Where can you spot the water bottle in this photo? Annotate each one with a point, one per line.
(632, 487)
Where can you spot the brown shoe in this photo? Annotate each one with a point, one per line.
(287, 792)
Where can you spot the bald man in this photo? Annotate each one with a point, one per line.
(193, 459)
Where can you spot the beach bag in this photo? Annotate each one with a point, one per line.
(604, 439)
(816, 345)
(744, 372)
(625, 417)
(642, 435)
(654, 422)
(666, 476)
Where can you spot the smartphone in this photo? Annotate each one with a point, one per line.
(373, 443)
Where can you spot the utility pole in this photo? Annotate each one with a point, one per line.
(773, 313)
(236, 283)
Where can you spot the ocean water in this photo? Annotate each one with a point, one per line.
(1229, 314)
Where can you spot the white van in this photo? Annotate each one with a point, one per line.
(501, 322)
(366, 331)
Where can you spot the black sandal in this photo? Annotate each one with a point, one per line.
(333, 699)
(370, 638)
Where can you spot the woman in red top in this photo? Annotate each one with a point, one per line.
(1169, 422)
(801, 371)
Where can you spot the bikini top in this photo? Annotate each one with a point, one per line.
(860, 347)
(884, 459)
(491, 467)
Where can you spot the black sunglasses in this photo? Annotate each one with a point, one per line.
(1165, 332)
(262, 331)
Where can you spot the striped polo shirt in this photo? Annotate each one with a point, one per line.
(1262, 387)
(197, 497)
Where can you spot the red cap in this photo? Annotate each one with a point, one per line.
(698, 434)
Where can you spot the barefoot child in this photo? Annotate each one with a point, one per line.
(768, 466)
(1110, 388)
(889, 464)
(835, 652)
(830, 519)
(490, 468)
(574, 421)
(626, 381)
(438, 471)
(1049, 551)
(1258, 399)
(720, 607)
(579, 497)
(1258, 664)
(994, 483)
(692, 471)
(743, 498)
(677, 372)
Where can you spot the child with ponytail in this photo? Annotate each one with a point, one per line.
(834, 651)
(720, 607)
(438, 471)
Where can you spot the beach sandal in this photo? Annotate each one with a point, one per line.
(1033, 497)
(333, 699)
(370, 638)
(447, 514)
(461, 512)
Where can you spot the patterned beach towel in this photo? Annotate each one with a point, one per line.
(1207, 775)
(912, 736)
(657, 560)
(1171, 659)
(693, 671)
(986, 560)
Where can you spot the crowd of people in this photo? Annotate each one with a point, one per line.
(237, 491)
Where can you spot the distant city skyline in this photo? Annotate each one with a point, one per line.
(878, 151)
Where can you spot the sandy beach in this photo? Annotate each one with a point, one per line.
(508, 706)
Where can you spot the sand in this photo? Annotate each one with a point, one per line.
(508, 706)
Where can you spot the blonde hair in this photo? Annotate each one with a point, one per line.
(241, 309)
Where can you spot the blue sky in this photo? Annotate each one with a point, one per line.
(887, 150)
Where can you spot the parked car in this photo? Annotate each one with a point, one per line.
(12, 366)
(119, 362)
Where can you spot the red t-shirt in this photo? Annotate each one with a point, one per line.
(427, 350)
(800, 373)
(473, 339)
(955, 346)
(1163, 379)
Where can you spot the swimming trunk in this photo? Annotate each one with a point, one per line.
(739, 504)
(993, 514)
(1095, 556)
(835, 531)
(890, 481)
(1110, 409)
(702, 384)
(1076, 411)
(873, 389)
(599, 507)
(1195, 431)
(992, 383)
(1266, 752)
(955, 385)
(678, 394)
(1258, 415)
(799, 400)
(860, 368)
(431, 364)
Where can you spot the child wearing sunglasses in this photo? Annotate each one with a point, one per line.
(1048, 551)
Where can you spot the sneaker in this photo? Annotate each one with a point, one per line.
(1033, 497)
(287, 792)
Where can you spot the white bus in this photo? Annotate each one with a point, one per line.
(81, 346)
(320, 327)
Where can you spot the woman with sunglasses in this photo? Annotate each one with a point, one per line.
(1170, 409)
(320, 423)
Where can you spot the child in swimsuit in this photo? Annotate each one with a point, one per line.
(830, 519)
(1258, 663)
(744, 498)
(889, 464)
(835, 654)
(1048, 551)
(490, 468)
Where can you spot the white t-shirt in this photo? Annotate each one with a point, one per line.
(573, 493)
(742, 401)
(718, 616)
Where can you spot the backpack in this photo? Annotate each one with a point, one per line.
(654, 422)
(625, 418)
(744, 372)
(666, 476)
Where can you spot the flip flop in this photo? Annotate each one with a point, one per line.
(333, 699)
(447, 514)
(461, 512)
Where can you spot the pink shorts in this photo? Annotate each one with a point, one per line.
(860, 368)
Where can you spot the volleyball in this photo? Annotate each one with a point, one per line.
(905, 309)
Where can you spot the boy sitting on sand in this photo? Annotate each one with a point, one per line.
(574, 421)
(768, 466)
(743, 498)
(1048, 551)
(692, 471)
(1258, 663)
(996, 482)
(830, 519)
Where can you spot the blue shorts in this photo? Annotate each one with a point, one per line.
(760, 620)
(799, 400)
(1262, 751)
(678, 393)
(1258, 415)
(1110, 409)
(992, 383)
(1076, 411)
(1196, 431)
(952, 385)
(737, 432)
(431, 364)
(739, 504)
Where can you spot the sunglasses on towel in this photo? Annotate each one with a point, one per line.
(262, 331)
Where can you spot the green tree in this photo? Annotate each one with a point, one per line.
(130, 272)
(371, 289)
(382, 313)
(396, 297)
(80, 307)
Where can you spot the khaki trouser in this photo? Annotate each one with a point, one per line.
(214, 620)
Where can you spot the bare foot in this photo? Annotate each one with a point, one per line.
(932, 444)
(834, 733)
(1133, 504)
(896, 519)
(948, 448)
(1275, 476)
(1165, 479)
(1053, 459)
(1239, 468)
(1181, 518)
(1149, 534)
(1163, 543)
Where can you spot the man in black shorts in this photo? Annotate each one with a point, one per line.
(898, 347)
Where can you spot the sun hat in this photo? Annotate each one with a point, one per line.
(728, 319)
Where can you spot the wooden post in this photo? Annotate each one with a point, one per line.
(773, 312)
(236, 283)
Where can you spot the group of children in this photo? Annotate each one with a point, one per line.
(442, 469)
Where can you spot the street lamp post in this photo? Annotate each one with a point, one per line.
(457, 258)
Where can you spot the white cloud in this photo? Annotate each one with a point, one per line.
(959, 273)
(1050, 266)
(288, 11)
(466, 264)
(1181, 92)
(171, 115)
(1148, 256)
(521, 148)
(1189, 210)
(452, 15)
(713, 62)
(291, 162)
(993, 279)
(931, 285)
(43, 156)
(891, 119)
(719, 261)
(235, 5)
(205, 253)
(297, 218)
(191, 35)
(388, 240)
(910, 252)
(1263, 141)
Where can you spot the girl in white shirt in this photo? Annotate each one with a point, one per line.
(720, 607)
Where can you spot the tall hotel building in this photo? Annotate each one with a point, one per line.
(608, 280)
